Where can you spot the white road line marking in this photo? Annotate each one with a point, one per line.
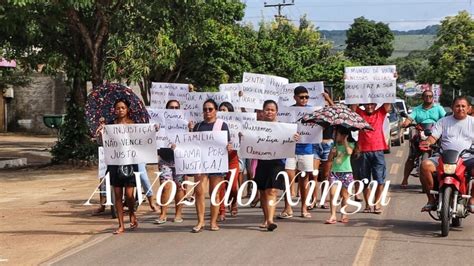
(77, 249)
(367, 247)
(399, 153)
(394, 168)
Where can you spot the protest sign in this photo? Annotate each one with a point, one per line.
(309, 133)
(201, 152)
(373, 73)
(358, 92)
(234, 122)
(129, 144)
(102, 165)
(267, 140)
(234, 89)
(315, 91)
(194, 116)
(195, 100)
(162, 92)
(171, 122)
(267, 85)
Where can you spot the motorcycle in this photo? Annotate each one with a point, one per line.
(423, 131)
(453, 192)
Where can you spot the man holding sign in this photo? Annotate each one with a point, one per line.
(371, 85)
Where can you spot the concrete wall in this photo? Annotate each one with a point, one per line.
(44, 95)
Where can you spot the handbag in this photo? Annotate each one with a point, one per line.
(125, 171)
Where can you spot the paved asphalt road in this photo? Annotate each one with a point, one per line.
(400, 236)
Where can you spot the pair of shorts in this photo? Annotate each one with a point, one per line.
(168, 172)
(267, 175)
(372, 166)
(321, 150)
(301, 162)
(346, 178)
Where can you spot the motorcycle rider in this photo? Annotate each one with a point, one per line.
(427, 112)
(456, 132)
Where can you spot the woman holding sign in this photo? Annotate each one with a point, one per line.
(267, 172)
(210, 123)
(122, 176)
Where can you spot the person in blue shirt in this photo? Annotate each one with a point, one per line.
(426, 113)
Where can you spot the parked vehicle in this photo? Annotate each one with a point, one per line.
(393, 129)
(453, 190)
(402, 107)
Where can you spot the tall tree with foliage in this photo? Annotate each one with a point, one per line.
(67, 36)
(178, 41)
(369, 42)
(451, 56)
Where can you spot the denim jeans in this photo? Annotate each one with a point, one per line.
(144, 179)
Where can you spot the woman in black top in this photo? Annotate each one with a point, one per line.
(122, 177)
(210, 120)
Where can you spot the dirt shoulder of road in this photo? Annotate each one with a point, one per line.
(41, 206)
(42, 213)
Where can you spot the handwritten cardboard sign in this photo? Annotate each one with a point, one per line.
(102, 166)
(373, 73)
(171, 122)
(234, 122)
(234, 89)
(309, 133)
(315, 91)
(129, 144)
(162, 92)
(267, 140)
(266, 85)
(369, 91)
(195, 100)
(201, 152)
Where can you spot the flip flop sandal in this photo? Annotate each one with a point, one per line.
(306, 215)
(367, 210)
(344, 220)
(133, 225)
(197, 229)
(378, 210)
(118, 232)
(178, 220)
(285, 215)
(215, 228)
(161, 221)
(330, 221)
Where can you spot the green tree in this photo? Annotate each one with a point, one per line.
(451, 56)
(368, 42)
(67, 36)
(412, 67)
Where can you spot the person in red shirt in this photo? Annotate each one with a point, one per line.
(371, 146)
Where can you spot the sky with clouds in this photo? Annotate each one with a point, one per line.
(339, 14)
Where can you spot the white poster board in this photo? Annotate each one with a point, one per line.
(267, 85)
(359, 92)
(171, 122)
(267, 140)
(201, 152)
(315, 91)
(102, 166)
(367, 73)
(195, 100)
(309, 133)
(234, 122)
(234, 89)
(129, 144)
(162, 92)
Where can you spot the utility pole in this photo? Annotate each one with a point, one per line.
(279, 6)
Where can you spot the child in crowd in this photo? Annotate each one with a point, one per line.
(341, 171)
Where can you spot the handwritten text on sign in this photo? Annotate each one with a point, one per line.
(162, 92)
(369, 91)
(370, 73)
(309, 133)
(171, 123)
(234, 89)
(234, 121)
(102, 165)
(201, 152)
(267, 140)
(315, 91)
(129, 144)
(195, 100)
(267, 85)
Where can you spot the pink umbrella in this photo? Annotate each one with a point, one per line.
(7, 63)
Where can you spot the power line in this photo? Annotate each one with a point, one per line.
(279, 6)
